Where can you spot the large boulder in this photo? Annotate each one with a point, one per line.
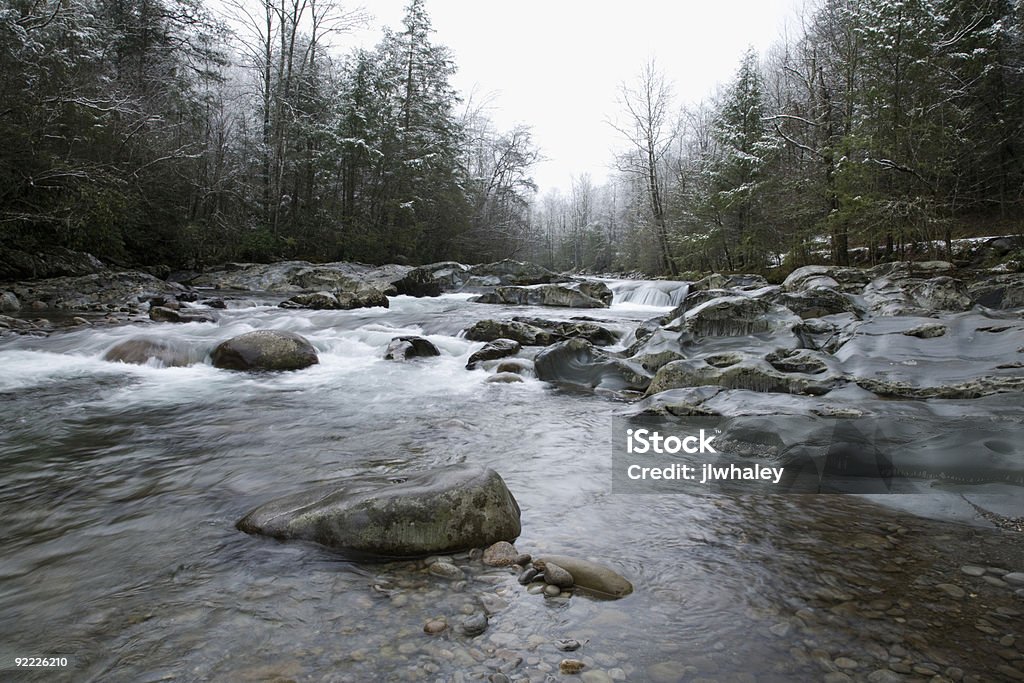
(569, 329)
(565, 296)
(302, 276)
(420, 513)
(55, 262)
(432, 279)
(9, 303)
(1001, 291)
(525, 334)
(102, 291)
(142, 350)
(265, 350)
(509, 272)
(850, 280)
(578, 362)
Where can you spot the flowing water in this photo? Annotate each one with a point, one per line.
(122, 485)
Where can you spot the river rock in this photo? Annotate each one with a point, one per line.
(432, 279)
(999, 292)
(406, 347)
(9, 303)
(591, 577)
(265, 350)
(565, 296)
(571, 329)
(746, 371)
(851, 280)
(302, 276)
(446, 570)
(527, 335)
(54, 262)
(474, 624)
(509, 272)
(319, 301)
(578, 362)
(166, 314)
(420, 513)
(504, 378)
(364, 297)
(100, 291)
(500, 554)
(499, 348)
(142, 350)
(556, 576)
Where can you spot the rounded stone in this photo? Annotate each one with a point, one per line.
(500, 554)
(475, 624)
(435, 626)
(446, 570)
(1014, 578)
(571, 666)
(142, 350)
(951, 590)
(265, 350)
(971, 570)
(556, 576)
(552, 591)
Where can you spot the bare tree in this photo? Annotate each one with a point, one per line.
(650, 127)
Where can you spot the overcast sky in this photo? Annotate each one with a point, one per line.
(556, 64)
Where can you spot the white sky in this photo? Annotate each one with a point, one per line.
(556, 64)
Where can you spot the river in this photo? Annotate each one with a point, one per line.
(123, 483)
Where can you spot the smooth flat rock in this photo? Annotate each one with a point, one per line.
(419, 513)
(592, 577)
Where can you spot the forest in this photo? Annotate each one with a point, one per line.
(174, 134)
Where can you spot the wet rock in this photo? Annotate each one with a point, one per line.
(499, 348)
(527, 335)
(523, 559)
(555, 575)
(100, 291)
(1014, 578)
(951, 590)
(596, 676)
(565, 296)
(592, 577)
(265, 350)
(528, 575)
(9, 303)
(364, 297)
(743, 371)
(926, 331)
(431, 511)
(54, 262)
(517, 367)
(407, 347)
(552, 591)
(474, 625)
(568, 644)
(815, 302)
(435, 626)
(319, 301)
(719, 281)
(834, 277)
(971, 570)
(504, 378)
(500, 554)
(142, 350)
(578, 362)
(999, 292)
(432, 279)
(597, 290)
(571, 329)
(302, 276)
(185, 315)
(571, 666)
(509, 272)
(446, 570)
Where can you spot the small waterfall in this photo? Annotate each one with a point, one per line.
(655, 293)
